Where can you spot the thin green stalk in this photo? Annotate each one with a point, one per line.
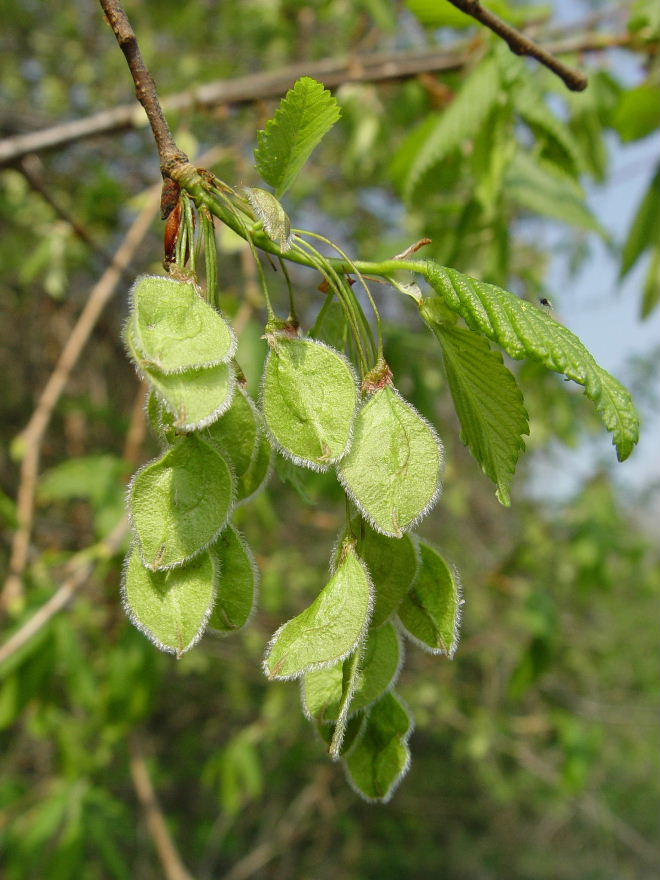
(356, 271)
(335, 281)
(293, 318)
(262, 278)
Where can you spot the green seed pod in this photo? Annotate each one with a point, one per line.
(170, 607)
(431, 611)
(321, 689)
(330, 629)
(175, 329)
(239, 581)
(394, 468)
(309, 398)
(381, 757)
(180, 502)
(239, 434)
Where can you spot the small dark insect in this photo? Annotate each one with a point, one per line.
(545, 302)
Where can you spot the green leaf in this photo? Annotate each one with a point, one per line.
(522, 329)
(238, 434)
(645, 228)
(531, 105)
(378, 669)
(175, 329)
(180, 502)
(332, 626)
(170, 607)
(460, 121)
(393, 471)
(239, 580)
(392, 563)
(431, 611)
(542, 188)
(305, 115)
(437, 14)
(637, 114)
(487, 398)
(381, 757)
(89, 476)
(272, 215)
(651, 293)
(309, 399)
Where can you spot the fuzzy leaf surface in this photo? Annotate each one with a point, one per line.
(179, 502)
(430, 613)
(305, 115)
(524, 330)
(322, 688)
(487, 398)
(237, 433)
(330, 629)
(381, 757)
(175, 329)
(170, 607)
(271, 213)
(309, 400)
(392, 563)
(393, 470)
(237, 588)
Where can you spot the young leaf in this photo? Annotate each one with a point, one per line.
(332, 626)
(381, 757)
(524, 330)
(309, 398)
(170, 607)
(488, 400)
(378, 669)
(274, 218)
(237, 434)
(239, 579)
(530, 103)
(393, 470)
(392, 563)
(645, 228)
(305, 115)
(541, 188)
(459, 122)
(180, 502)
(174, 329)
(430, 613)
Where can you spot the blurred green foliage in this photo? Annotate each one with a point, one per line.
(536, 747)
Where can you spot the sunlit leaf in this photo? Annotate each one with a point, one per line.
(525, 330)
(487, 398)
(305, 115)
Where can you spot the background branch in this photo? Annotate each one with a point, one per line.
(333, 72)
(522, 45)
